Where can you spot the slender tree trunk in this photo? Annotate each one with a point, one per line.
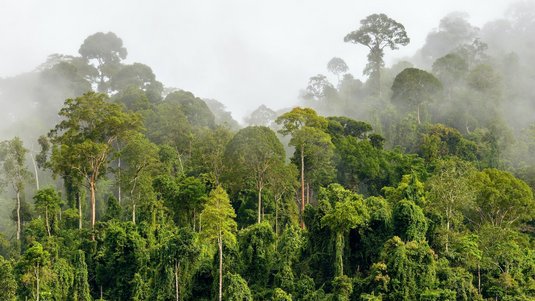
(92, 189)
(447, 232)
(134, 213)
(479, 278)
(35, 171)
(37, 282)
(46, 222)
(194, 219)
(302, 186)
(276, 217)
(18, 215)
(339, 253)
(259, 205)
(80, 223)
(177, 290)
(418, 113)
(119, 180)
(220, 245)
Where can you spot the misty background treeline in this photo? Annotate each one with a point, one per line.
(413, 184)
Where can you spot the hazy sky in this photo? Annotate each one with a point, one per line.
(240, 52)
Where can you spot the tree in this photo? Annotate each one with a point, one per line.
(262, 116)
(414, 87)
(12, 159)
(139, 76)
(195, 109)
(219, 225)
(337, 66)
(310, 140)
(502, 200)
(406, 270)
(236, 288)
(141, 161)
(318, 90)
(451, 192)
(253, 155)
(346, 211)
(7, 281)
(122, 254)
(453, 31)
(257, 246)
(450, 69)
(31, 268)
(107, 49)
(377, 32)
(178, 253)
(80, 286)
(410, 223)
(83, 141)
(48, 202)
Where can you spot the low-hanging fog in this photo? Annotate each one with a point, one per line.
(242, 53)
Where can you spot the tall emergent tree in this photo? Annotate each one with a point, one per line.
(107, 49)
(254, 155)
(12, 160)
(83, 141)
(377, 32)
(218, 224)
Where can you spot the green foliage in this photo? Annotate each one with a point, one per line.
(501, 200)
(8, 282)
(281, 295)
(257, 245)
(409, 221)
(236, 288)
(194, 108)
(122, 254)
(80, 285)
(253, 159)
(403, 210)
(406, 271)
(345, 211)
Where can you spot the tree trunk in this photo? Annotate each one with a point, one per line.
(46, 222)
(18, 215)
(134, 213)
(418, 113)
(37, 282)
(479, 278)
(220, 245)
(302, 186)
(276, 217)
(119, 180)
(339, 254)
(80, 224)
(259, 205)
(35, 171)
(177, 290)
(194, 219)
(92, 189)
(447, 233)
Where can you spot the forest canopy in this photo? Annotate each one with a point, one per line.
(415, 183)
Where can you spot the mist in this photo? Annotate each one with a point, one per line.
(244, 54)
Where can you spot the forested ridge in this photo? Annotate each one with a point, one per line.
(415, 184)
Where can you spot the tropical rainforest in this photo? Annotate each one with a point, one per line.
(413, 184)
